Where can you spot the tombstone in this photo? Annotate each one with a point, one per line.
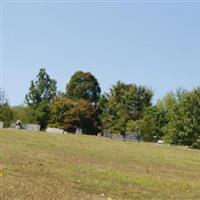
(13, 125)
(79, 131)
(31, 127)
(18, 125)
(155, 138)
(55, 130)
(141, 138)
(107, 133)
(131, 136)
(100, 134)
(117, 137)
(1, 124)
(180, 141)
(160, 142)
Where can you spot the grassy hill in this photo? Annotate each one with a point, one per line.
(49, 166)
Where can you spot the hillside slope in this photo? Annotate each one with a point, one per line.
(49, 166)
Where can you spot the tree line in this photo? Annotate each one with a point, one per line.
(125, 107)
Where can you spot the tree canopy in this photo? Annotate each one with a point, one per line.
(184, 120)
(125, 102)
(42, 89)
(41, 93)
(83, 85)
(70, 114)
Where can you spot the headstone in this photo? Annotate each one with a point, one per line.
(1, 124)
(160, 142)
(13, 125)
(117, 137)
(131, 136)
(99, 134)
(55, 130)
(79, 131)
(31, 127)
(107, 133)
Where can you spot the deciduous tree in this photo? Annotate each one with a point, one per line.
(125, 102)
(83, 85)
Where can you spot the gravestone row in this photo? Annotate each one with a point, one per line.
(27, 126)
(129, 136)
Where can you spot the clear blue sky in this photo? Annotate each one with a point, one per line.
(152, 44)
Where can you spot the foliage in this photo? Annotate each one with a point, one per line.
(184, 118)
(102, 111)
(82, 115)
(43, 89)
(169, 104)
(151, 125)
(196, 144)
(26, 114)
(70, 114)
(83, 85)
(123, 103)
(41, 93)
(43, 113)
(6, 114)
(144, 127)
(58, 110)
(189, 117)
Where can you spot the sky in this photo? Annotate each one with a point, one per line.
(156, 44)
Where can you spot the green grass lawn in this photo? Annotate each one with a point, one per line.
(37, 165)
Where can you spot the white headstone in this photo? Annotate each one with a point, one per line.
(13, 125)
(55, 130)
(160, 142)
(79, 131)
(1, 124)
(31, 127)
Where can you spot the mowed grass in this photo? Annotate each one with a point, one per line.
(37, 165)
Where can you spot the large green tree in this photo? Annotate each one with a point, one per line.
(83, 85)
(41, 92)
(42, 89)
(124, 102)
(71, 114)
(184, 123)
(82, 115)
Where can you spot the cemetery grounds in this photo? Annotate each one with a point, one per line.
(38, 165)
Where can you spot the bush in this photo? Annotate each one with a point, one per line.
(6, 114)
